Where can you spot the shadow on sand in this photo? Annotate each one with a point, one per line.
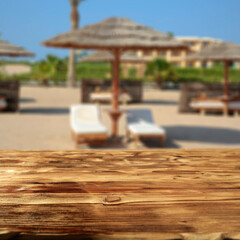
(143, 144)
(45, 111)
(160, 102)
(203, 134)
(153, 143)
(27, 100)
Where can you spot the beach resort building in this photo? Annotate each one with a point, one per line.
(196, 44)
(14, 69)
(177, 58)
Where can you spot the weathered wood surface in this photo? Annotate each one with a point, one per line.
(153, 194)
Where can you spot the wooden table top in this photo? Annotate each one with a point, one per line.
(148, 194)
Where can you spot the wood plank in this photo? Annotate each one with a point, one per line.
(144, 194)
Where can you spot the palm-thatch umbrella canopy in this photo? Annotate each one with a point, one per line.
(10, 50)
(117, 35)
(225, 52)
(105, 56)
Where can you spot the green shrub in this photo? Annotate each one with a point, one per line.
(132, 72)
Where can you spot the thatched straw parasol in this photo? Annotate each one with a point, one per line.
(10, 50)
(225, 52)
(117, 35)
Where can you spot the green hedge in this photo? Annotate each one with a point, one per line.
(208, 75)
(19, 77)
(103, 71)
(93, 70)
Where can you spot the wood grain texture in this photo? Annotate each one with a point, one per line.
(149, 194)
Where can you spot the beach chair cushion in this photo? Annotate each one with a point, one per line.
(140, 122)
(101, 96)
(85, 119)
(234, 105)
(207, 104)
(124, 97)
(107, 96)
(143, 128)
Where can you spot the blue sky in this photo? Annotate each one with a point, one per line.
(28, 22)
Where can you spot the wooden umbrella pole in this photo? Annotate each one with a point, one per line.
(115, 90)
(226, 87)
(115, 83)
(226, 80)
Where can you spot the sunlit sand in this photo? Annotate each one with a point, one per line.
(43, 122)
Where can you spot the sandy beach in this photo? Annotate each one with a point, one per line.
(43, 122)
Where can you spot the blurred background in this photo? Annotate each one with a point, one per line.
(37, 92)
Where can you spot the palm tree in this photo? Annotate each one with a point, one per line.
(47, 69)
(160, 70)
(71, 78)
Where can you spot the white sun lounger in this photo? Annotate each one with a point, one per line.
(205, 105)
(86, 125)
(107, 97)
(234, 106)
(140, 124)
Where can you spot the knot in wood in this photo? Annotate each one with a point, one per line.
(112, 199)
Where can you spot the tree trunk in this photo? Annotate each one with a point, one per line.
(45, 82)
(159, 82)
(71, 78)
